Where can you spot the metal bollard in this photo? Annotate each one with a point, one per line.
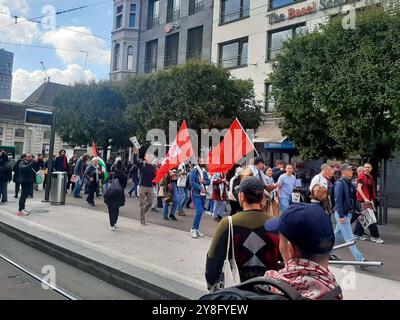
(344, 245)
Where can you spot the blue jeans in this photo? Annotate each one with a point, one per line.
(219, 209)
(3, 191)
(198, 202)
(343, 233)
(134, 188)
(183, 195)
(284, 203)
(210, 205)
(166, 206)
(78, 186)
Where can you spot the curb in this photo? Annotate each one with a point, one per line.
(135, 280)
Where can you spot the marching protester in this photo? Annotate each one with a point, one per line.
(71, 168)
(156, 187)
(79, 172)
(92, 180)
(255, 250)
(147, 175)
(172, 200)
(27, 170)
(183, 193)
(17, 175)
(366, 195)
(233, 191)
(134, 175)
(319, 187)
(5, 175)
(306, 240)
(345, 202)
(61, 163)
(278, 170)
(219, 186)
(198, 178)
(117, 199)
(286, 185)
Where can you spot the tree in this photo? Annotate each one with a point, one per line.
(91, 112)
(201, 93)
(338, 90)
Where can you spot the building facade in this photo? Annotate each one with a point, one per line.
(26, 137)
(161, 34)
(6, 68)
(249, 34)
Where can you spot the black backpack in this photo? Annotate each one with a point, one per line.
(259, 288)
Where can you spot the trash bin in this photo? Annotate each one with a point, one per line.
(58, 187)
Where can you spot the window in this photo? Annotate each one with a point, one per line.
(19, 148)
(116, 57)
(1, 131)
(150, 64)
(46, 135)
(277, 38)
(19, 133)
(171, 50)
(195, 6)
(274, 4)
(195, 43)
(173, 10)
(129, 62)
(153, 18)
(232, 10)
(269, 98)
(233, 54)
(132, 17)
(118, 18)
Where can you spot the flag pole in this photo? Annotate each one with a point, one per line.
(248, 137)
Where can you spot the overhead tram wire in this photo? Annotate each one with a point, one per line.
(57, 13)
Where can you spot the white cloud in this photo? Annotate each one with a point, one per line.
(24, 32)
(18, 6)
(24, 82)
(67, 39)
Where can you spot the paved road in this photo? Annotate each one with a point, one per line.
(17, 285)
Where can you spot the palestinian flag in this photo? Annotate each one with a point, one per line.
(100, 160)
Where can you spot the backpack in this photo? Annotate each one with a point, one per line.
(259, 288)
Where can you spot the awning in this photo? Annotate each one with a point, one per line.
(268, 132)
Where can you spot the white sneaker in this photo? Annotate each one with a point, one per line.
(113, 228)
(199, 234)
(362, 238)
(193, 233)
(377, 240)
(115, 225)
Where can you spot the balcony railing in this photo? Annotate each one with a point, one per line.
(233, 15)
(194, 55)
(170, 62)
(234, 62)
(196, 6)
(153, 22)
(173, 15)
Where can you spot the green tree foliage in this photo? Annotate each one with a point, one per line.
(338, 90)
(91, 112)
(201, 93)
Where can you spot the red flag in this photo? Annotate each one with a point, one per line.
(179, 152)
(235, 146)
(94, 149)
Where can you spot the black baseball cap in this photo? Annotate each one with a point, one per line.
(305, 225)
(251, 186)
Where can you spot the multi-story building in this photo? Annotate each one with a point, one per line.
(6, 67)
(151, 35)
(14, 131)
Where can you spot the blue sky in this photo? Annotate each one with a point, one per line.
(64, 67)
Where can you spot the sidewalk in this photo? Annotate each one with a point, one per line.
(169, 256)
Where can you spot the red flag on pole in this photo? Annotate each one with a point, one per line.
(94, 149)
(179, 152)
(235, 146)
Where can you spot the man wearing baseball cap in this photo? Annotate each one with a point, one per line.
(256, 251)
(306, 241)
